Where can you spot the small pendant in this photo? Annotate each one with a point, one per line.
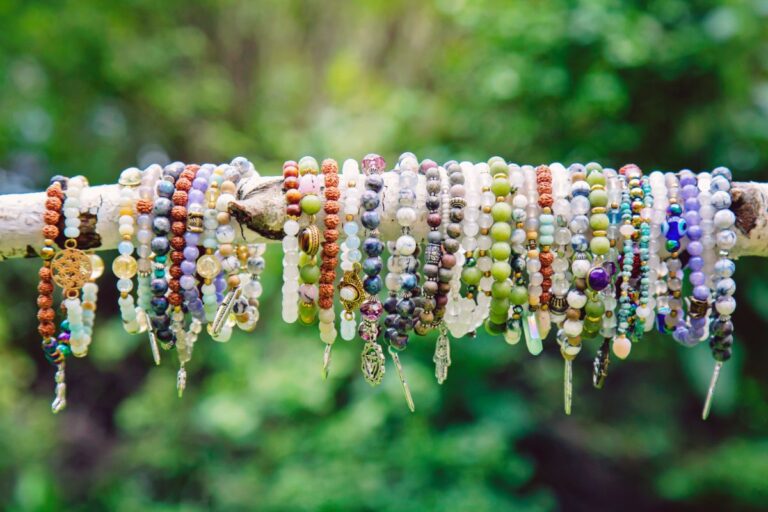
(401, 374)
(60, 402)
(373, 363)
(152, 340)
(442, 357)
(711, 390)
(224, 310)
(181, 380)
(326, 360)
(600, 365)
(568, 385)
(531, 330)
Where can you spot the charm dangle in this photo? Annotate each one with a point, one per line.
(569, 353)
(711, 390)
(60, 402)
(373, 363)
(71, 268)
(326, 360)
(401, 374)
(600, 365)
(152, 338)
(181, 380)
(351, 291)
(225, 309)
(442, 357)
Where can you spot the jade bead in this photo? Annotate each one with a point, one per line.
(307, 314)
(598, 197)
(593, 166)
(500, 187)
(493, 329)
(500, 251)
(501, 289)
(501, 212)
(546, 229)
(599, 221)
(546, 240)
(519, 295)
(471, 275)
(501, 270)
(310, 204)
(498, 318)
(594, 308)
(499, 306)
(596, 177)
(600, 245)
(310, 274)
(498, 166)
(501, 231)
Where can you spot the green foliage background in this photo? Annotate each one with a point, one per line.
(93, 87)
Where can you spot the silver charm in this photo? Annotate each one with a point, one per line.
(60, 402)
(373, 363)
(442, 357)
(152, 338)
(224, 310)
(326, 360)
(711, 390)
(181, 380)
(401, 374)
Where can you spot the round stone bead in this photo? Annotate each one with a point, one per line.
(208, 266)
(124, 267)
(406, 245)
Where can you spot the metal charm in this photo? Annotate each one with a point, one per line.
(442, 357)
(71, 268)
(600, 365)
(373, 363)
(711, 390)
(351, 291)
(401, 374)
(224, 310)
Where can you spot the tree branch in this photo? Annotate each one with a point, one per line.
(259, 210)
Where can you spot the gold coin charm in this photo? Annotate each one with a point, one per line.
(71, 267)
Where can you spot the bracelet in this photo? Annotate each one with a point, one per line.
(125, 266)
(721, 340)
(293, 197)
(56, 349)
(144, 237)
(309, 239)
(161, 227)
(329, 260)
(350, 287)
(501, 232)
(519, 292)
(433, 253)
(546, 240)
(372, 360)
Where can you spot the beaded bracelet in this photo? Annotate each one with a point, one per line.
(475, 259)
(80, 311)
(674, 229)
(144, 265)
(433, 251)
(350, 293)
(644, 311)
(546, 240)
(519, 292)
(372, 360)
(293, 197)
(501, 232)
(531, 328)
(56, 349)
(721, 340)
(252, 264)
(125, 265)
(229, 253)
(462, 311)
(690, 331)
(400, 320)
(561, 208)
(454, 201)
(161, 227)
(309, 239)
(330, 251)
